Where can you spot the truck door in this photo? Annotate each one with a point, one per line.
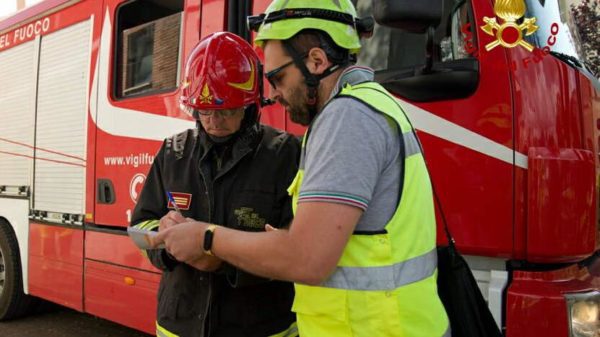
(142, 48)
(459, 100)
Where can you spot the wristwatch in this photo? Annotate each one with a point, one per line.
(209, 234)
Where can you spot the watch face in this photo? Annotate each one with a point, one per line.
(208, 239)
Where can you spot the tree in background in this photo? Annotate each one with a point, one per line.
(587, 19)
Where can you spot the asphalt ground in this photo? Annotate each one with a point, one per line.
(56, 321)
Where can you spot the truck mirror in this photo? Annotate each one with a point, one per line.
(409, 15)
(449, 80)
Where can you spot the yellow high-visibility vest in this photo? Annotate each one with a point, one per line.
(384, 283)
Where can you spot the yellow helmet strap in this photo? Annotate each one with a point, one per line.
(312, 80)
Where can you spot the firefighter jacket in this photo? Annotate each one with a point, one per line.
(242, 186)
(385, 280)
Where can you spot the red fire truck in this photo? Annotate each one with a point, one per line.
(508, 115)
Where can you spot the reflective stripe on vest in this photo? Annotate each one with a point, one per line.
(162, 332)
(148, 224)
(292, 331)
(387, 279)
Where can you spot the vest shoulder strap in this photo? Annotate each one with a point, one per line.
(375, 96)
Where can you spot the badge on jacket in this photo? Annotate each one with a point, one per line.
(183, 201)
(248, 218)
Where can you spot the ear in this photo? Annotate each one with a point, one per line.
(317, 61)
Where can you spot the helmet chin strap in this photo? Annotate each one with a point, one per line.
(312, 80)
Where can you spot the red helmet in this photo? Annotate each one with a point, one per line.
(222, 72)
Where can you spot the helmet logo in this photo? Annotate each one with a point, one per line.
(205, 96)
(248, 85)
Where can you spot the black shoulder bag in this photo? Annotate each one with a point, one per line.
(466, 308)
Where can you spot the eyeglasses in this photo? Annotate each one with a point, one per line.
(225, 113)
(271, 75)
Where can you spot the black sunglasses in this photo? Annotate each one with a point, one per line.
(271, 74)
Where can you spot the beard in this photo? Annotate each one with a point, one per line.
(300, 115)
(297, 107)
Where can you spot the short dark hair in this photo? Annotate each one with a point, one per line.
(307, 39)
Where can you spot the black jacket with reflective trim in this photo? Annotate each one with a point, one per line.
(248, 191)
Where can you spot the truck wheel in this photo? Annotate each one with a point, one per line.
(13, 302)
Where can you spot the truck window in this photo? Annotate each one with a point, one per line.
(147, 47)
(424, 65)
(394, 49)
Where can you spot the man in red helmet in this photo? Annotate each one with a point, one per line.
(230, 170)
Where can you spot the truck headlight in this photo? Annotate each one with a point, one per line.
(584, 314)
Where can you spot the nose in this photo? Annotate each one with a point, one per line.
(274, 94)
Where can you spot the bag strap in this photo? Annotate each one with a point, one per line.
(442, 215)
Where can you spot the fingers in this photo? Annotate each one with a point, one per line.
(171, 219)
(165, 223)
(183, 240)
(176, 216)
(158, 239)
(270, 228)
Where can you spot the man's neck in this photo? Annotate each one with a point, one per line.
(327, 86)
